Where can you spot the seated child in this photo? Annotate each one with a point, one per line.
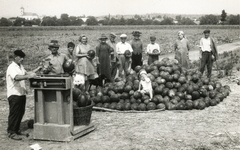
(145, 83)
(79, 81)
(153, 50)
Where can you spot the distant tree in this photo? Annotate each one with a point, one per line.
(49, 21)
(114, 21)
(209, 20)
(186, 21)
(36, 22)
(28, 23)
(178, 18)
(5, 22)
(19, 22)
(159, 16)
(223, 16)
(131, 21)
(91, 21)
(148, 22)
(167, 21)
(234, 19)
(156, 22)
(139, 21)
(78, 22)
(137, 16)
(122, 21)
(74, 21)
(64, 20)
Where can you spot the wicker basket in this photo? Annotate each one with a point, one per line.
(82, 115)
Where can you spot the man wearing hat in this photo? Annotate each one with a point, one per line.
(53, 64)
(125, 63)
(114, 60)
(103, 52)
(16, 93)
(208, 52)
(137, 47)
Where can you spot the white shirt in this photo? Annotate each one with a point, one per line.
(151, 47)
(122, 47)
(205, 44)
(15, 87)
(146, 85)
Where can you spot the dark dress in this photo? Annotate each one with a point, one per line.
(103, 52)
(182, 48)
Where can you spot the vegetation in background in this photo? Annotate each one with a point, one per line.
(66, 20)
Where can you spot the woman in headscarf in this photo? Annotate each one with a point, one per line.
(181, 48)
(84, 63)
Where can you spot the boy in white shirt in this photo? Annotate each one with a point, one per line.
(153, 50)
(125, 62)
(145, 83)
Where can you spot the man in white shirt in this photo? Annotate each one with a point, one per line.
(208, 53)
(16, 93)
(125, 63)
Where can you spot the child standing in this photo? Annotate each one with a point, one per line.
(124, 58)
(145, 83)
(153, 50)
(70, 49)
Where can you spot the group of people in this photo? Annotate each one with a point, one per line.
(109, 58)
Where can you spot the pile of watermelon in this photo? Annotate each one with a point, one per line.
(175, 88)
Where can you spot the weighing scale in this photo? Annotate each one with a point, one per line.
(53, 109)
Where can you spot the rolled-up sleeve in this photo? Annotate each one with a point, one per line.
(12, 72)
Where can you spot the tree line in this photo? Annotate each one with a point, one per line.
(66, 20)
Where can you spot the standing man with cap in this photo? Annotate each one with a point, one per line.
(113, 57)
(16, 93)
(208, 52)
(137, 47)
(53, 64)
(121, 48)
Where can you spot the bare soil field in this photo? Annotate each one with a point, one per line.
(213, 128)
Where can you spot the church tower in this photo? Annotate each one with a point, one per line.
(22, 10)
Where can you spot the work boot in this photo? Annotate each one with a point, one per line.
(14, 136)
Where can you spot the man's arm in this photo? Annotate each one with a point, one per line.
(215, 50)
(130, 48)
(24, 77)
(200, 49)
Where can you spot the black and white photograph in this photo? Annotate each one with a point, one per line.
(120, 74)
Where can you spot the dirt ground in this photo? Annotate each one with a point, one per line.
(213, 128)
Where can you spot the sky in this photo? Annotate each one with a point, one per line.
(11, 8)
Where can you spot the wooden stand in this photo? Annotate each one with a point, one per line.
(54, 110)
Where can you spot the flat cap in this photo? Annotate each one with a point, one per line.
(123, 36)
(136, 33)
(112, 34)
(19, 53)
(206, 31)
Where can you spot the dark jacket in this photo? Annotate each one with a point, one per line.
(214, 49)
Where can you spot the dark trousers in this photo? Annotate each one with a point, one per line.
(206, 61)
(114, 68)
(16, 112)
(136, 60)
